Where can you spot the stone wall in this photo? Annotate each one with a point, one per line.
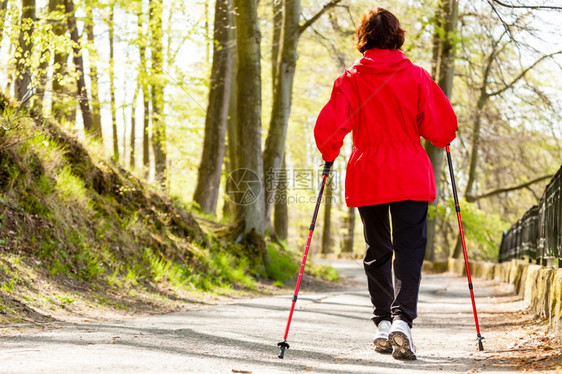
(539, 286)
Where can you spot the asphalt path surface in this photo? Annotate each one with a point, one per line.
(331, 332)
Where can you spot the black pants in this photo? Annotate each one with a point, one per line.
(409, 238)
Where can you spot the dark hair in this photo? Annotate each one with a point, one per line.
(379, 28)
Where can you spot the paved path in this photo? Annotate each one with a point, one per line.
(331, 333)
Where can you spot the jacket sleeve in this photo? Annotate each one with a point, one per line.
(436, 119)
(333, 124)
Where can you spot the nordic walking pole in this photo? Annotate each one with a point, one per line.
(325, 174)
(459, 219)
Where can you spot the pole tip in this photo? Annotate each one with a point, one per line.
(480, 345)
(283, 345)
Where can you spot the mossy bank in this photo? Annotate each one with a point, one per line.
(79, 234)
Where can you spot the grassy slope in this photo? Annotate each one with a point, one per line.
(80, 236)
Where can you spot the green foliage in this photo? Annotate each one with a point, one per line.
(131, 277)
(72, 189)
(66, 299)
(9, 275)
(232, 270)
(9, 286)
(162, 269)
(482, 230)
(281, 266)
(284, 266)
(324, 272)
(44, 185)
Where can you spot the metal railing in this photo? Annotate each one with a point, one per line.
(537, 235)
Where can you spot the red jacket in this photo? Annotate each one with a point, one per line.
(388, 103)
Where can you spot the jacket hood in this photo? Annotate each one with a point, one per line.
(381, 61)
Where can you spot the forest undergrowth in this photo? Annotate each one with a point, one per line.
(82, 238)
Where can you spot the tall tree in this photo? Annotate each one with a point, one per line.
(157, 90)
(44, 63)
(143, 79)
(62, 91)
(79, 66)
(248, 113)
(25, 49)
(93, 64)
(497, 75)
(111, 27)
(284, 70)
(125, 125)
(277, 7)
(208, 181)
(349, 235)
(286, 32)
(231, 164)
(281, 211)
(486, 92)
(3, 12)
(442, 70)
(133, 128)
(327, 239)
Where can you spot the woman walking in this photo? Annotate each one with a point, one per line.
(388, 103)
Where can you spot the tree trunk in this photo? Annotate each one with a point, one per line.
(281, 211)
(96, 117)
(143, 81)
(79, 66)
(230, 207)
(208, 181)
(281, 108)
(133, 128)
(350, 231)
(25, 49)
(442, 72)
(124, 138)
(61, 92)
(327, 228)
(227, 207)
(457, 250)
(248, 115)
(157, 88)
(276, 41)
(3, 11)
(43, 68)
(111, 26)
(145, 131)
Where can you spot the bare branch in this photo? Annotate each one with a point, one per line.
(471, 198)
(522, 74)
(319, 14)
(533, 193)
(522, 6)
(491, 59)
(505, 25)
(337, 53)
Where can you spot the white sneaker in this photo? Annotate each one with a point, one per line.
(381, 338)
(400, 337)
